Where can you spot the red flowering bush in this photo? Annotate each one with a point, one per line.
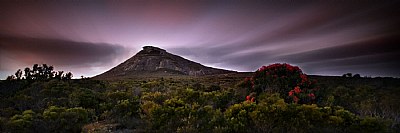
(250, 98)
(284, 79)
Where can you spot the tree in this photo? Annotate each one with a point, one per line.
(35, 71)
(59, 75)
(34, 68)
(50, 72)
(18, 74)
(40, 72)
(27, 74)
(11, 77)
(68, 76)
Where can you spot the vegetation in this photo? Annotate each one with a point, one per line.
(40, 72)
(284, 79)
(38, 101)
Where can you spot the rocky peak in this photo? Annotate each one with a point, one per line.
(151, 50)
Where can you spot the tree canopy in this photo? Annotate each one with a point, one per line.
(40, 72)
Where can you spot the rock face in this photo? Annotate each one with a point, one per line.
(153, 61)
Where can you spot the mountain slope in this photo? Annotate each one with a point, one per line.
(153, 61)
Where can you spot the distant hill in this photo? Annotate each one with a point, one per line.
(154, 61)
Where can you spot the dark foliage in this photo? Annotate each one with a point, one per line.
(40, 72)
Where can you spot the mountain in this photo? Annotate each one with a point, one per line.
(154, 61)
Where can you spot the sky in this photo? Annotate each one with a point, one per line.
(89, 37)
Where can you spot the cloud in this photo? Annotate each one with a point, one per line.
(326, 39)
(373, 46)
(374, 56)
(19, 52)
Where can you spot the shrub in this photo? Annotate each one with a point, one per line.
(274, 115)
(213, 88)
(22, 123)
(238, 117)
(83, 98)
(373, 124)
(284, 79)
(175, 115)
(61, 119)
(126, 112)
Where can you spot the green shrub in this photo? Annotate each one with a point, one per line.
(83, 98)
(60, 119)
(22, 123)
(126, 112)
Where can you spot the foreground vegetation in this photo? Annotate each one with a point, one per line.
(284, 100)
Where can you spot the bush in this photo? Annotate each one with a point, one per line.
(238, 117)
(83, 98)
(274, 115)
(61, 119)
(284, 79)
(177, 116)
(126, 112)
(22, 123)
(213, 88)
(373, 124)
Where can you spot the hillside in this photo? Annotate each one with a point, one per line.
(153, 61)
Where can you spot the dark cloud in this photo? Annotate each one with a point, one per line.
(375, 46)
(60, 53)
(376, 57)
